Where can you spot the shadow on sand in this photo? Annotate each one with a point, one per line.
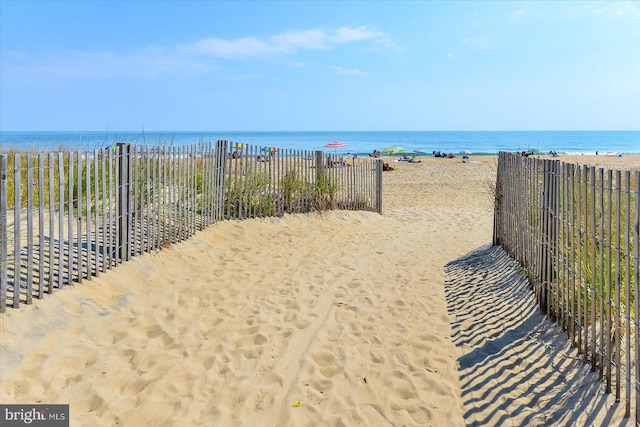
(517, 367)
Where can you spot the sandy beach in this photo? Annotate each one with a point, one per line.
(409, 318)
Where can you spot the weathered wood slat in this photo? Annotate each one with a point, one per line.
(78, 205)
(636, 289)
(4, 249)
(41, 235)
(17, 221)
(30, 243)
(627, 256)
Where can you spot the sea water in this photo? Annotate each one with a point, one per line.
(361, 142)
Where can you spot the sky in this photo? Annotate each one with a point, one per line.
(318, 65)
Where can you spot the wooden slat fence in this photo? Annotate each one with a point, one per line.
(68, 216)
(575, 231)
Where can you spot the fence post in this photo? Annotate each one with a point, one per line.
(3, 233)
(378, 168)
(319, 165)
(553, 224)
(636, 282)
(17, 220)
(219, 174)
(548, 233)
(497, 202)
(319, 170)
(545, 235)
(124, 196)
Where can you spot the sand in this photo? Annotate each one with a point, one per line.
(340, 318)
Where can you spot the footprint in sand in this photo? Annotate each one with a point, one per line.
(157, 331)
(127, 354)
(327, 363)
(321, 386)
(134, 387)
(251, 352)
(354, 284)
(421, 416)
(118, 336)
(263, 401)
(96, 403)
(302, 324)
(73, 380)
(208, 362)
(375, 358)
(260, 339)
(290, 317)
(339, 293)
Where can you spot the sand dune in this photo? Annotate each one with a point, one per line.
(408, 318)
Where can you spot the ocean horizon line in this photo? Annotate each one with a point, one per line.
(360, 142)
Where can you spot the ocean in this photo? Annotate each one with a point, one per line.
(361, 142)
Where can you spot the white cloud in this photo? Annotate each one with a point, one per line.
(288, 42)
(291, 41)
(450, 55)
(240, 48)
(347, 72)
(346, 35)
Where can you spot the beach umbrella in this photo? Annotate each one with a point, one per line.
(335, 145)
(465, 152)
(394, 149)
(270, 150)
(237, 150)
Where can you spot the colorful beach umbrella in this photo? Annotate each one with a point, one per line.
(394, 149)
(335, 145)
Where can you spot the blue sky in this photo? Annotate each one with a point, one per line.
(319, 65)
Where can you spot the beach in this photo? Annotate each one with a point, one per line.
(338, 318)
